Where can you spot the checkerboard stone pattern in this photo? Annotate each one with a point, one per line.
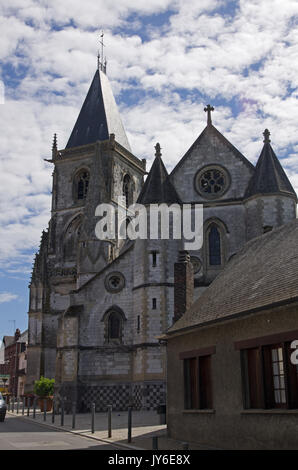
(154, 395)
(143, 396)
(116, 395)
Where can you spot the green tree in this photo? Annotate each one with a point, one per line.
(44, 387)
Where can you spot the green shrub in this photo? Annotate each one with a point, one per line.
(44, 387)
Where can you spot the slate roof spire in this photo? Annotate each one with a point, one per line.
(158, 187)
(99, 116)
(269, 176)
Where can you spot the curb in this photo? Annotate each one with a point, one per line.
(77, 433)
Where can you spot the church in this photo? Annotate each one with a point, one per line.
(97, 308)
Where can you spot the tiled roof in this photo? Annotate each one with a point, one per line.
(263, 273)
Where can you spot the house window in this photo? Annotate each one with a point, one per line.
(270, 380)
(138, 324)
(278, 373)
(214, 245)
(153, 304)
(197, 383)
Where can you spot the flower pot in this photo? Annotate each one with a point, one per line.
(49, 403)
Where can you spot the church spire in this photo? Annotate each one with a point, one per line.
(99, 116)
(269, 176)
(158, 187)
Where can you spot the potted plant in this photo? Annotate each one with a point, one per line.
(44, 389)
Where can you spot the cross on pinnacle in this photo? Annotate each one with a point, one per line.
(266, 135)
(208, 110)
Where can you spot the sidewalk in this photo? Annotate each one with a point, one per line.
(145, 425)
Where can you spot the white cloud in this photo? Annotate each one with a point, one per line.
(248, 60)
(7, 297)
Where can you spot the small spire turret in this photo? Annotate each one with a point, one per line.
(54, 147)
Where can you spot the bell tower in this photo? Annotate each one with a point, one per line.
(91, 169)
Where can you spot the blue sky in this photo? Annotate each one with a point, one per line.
(166, 60)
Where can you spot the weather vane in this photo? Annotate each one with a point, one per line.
(101, 64)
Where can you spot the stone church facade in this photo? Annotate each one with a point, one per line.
(98, 307)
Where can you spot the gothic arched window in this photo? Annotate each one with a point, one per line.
(82, 184)
(114, 320)
(114, 326)
(127, 189)
(70, 239)
(214, 244)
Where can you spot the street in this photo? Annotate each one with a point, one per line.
(17, 434)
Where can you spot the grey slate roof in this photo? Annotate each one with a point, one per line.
(99, 116)
(263, 273)
(8, 340)
(269, 176)
(158, 187)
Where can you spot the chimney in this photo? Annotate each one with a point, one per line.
(17, 334)
(183, 285)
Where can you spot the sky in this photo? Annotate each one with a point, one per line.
(167, 59)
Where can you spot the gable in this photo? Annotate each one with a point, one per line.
(212, 149)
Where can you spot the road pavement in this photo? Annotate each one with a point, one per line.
(17, 434)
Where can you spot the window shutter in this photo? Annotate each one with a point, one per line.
(194, 382)
(254, 371)
(205, 385)
(187, 390)
(245, 378)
